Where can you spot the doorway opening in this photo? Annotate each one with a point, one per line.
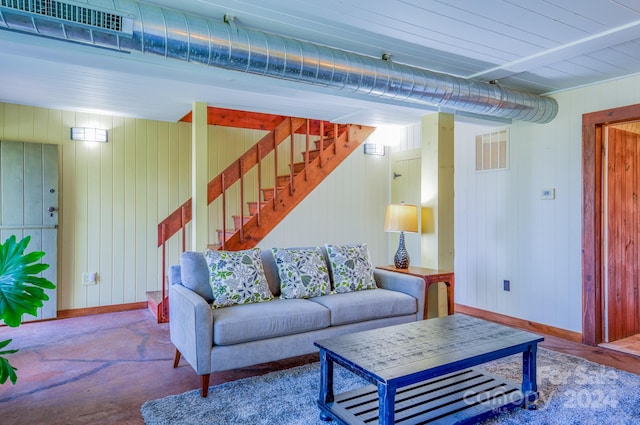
(621, 236)
(611, 204)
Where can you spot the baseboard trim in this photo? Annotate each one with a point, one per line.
(78, 312)
(520, 323)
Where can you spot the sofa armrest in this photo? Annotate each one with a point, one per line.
(410, 285)
(191, 327)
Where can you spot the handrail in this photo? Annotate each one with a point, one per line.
(236, 171)
(173, 222)
(250, 157)
(176, 221)
(184, 210)
(349, 137)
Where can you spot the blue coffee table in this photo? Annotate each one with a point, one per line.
(424, 372)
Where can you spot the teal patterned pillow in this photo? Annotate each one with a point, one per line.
(303, 272)
(237, 277)
(350, 267)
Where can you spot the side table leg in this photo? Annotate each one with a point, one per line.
(425, 316)
(529, 380)
(450, 296)
(326, 384)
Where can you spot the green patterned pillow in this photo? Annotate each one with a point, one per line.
(237, 277)
(303, 272)
(351, 269)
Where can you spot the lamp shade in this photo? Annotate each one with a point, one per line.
(401, 218)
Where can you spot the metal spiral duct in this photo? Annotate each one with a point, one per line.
(172, 34)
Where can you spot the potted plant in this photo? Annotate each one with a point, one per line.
(22, 291)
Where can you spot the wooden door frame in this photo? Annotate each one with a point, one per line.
(592, 281)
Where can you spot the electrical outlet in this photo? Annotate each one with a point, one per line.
(506, 285)
(89, 278)
(548, 194)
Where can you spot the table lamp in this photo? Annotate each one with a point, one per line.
(401, 218)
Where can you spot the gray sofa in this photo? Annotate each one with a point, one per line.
(213, 340)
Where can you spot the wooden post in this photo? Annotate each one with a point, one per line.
(259, 153)
(241, 166)
(275, 174)
(224, 210)
(321, 144)
(291, 148)
(199, 177)
(306, 157)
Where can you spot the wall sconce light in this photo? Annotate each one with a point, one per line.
(89, 134)
(374, 149)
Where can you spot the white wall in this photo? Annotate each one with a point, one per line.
(504, 230)
(348, 207)
(113, 195)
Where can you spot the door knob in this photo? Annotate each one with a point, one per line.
(51, 209)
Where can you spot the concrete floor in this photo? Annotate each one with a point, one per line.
(99, 370)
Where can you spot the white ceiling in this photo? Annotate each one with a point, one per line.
(535, 45)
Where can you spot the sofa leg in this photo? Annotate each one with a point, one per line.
(204, 385)
(176, 359)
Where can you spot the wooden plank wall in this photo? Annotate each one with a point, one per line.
(504, 230)
(348, 207)
(113, 195)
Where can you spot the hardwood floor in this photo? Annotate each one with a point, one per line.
(630, 345)
(100, 369)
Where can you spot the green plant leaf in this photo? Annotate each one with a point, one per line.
(21, 292)
(34, 268)
(6, 370)
(4, 344)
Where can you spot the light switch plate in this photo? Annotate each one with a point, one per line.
(89, 278)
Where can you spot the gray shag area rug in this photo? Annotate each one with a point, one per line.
(572, 391)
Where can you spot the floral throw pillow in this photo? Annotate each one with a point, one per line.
(351, 268)
(303, 272)
(237, 277)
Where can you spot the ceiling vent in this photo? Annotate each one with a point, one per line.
(53, 18)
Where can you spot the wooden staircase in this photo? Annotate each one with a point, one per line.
(331, 145)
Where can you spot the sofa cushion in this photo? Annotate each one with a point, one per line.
(237, 277)
(194, 274)
(351, 269)
(303, 272)
(243, 323)
(360, 306)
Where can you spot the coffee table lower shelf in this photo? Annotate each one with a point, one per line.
(462, 397)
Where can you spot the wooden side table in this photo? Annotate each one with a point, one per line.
(430, 276)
